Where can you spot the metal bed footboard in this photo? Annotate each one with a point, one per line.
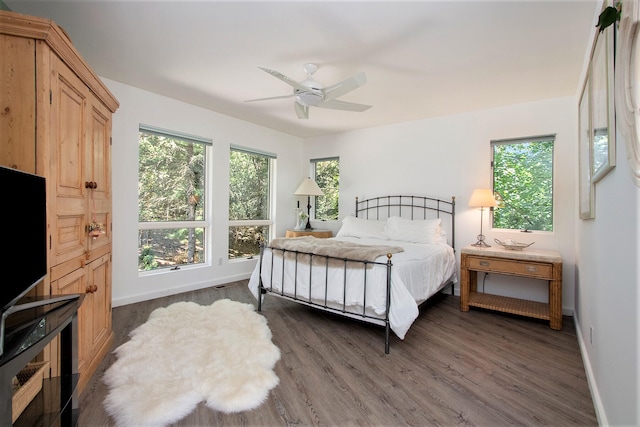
(324, 303)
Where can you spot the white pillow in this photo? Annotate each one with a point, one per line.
(361, 228)
(415, 231)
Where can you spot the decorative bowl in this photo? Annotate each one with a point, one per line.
(512, 244)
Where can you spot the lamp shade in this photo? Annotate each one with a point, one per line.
(308, 187)
(482, 198)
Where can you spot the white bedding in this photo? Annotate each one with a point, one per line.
(417, 273)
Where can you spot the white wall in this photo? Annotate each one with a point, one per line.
(607, 297)
(445, 156)
(138, 106)
(450, 156)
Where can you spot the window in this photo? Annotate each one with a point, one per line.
(249, 201)
(326, 172)
(171, 199)
(523, 183)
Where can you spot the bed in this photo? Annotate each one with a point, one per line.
(388, 259)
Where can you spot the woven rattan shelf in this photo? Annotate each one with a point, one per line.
(538, 310)
(534, 264)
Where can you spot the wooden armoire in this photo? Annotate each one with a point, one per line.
(55, 121)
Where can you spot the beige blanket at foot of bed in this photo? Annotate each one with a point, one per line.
(334, 248)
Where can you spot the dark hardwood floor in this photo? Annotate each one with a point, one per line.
(476, 368)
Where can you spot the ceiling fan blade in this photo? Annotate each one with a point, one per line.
(301, 110)
(285, 79)
(271, 97)
(345, 86)
(343, 105)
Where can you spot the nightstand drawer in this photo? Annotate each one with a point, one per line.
(519, 268)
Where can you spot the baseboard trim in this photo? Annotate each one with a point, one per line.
(591, 380)
(118, 302)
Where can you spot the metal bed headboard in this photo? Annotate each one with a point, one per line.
(411, 207)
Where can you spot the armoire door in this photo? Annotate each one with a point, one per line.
(98, 173)
(98, 302)
(68, 98)
(74, 283)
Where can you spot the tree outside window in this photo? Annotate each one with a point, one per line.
(171, 199)
(249, 201)
(523, 183)
(327, 176)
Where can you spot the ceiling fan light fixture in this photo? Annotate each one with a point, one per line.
(309, 99)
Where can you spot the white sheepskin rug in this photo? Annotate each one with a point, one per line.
(186, 353)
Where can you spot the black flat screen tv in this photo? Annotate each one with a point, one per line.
(23, 248)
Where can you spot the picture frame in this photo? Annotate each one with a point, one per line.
(586, 187)
(602, 105)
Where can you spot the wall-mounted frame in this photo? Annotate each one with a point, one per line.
(601, 102)
(597, 120)
(586, 193)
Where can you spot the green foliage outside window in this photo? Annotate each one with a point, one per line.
(161, 248)
(244, 242)
(171, 179)
(327, 176)
(248, 186)
(523, 183)
(249, 196)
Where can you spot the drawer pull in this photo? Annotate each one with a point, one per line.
(484, 263)
(532, 269)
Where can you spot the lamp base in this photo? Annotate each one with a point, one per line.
(308, 227)
(481, 243)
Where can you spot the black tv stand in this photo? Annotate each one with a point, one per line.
(26, 304)
(27, 330)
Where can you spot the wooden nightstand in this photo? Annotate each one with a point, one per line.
(323, 234)
(532, 263)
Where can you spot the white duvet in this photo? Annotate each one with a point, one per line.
(417, 273)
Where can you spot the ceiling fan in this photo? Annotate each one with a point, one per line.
(310, 93)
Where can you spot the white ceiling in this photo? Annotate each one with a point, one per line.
(421, 58)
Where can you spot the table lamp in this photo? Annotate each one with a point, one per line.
(482, 198)
(308, 187)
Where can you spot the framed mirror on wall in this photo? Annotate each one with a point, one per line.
(627, 83)
(601, 93)
(597, 120)
(584, 142)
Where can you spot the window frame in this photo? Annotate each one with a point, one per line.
(204, 223)
(313, 167)
(270, 222)
(523, 140)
